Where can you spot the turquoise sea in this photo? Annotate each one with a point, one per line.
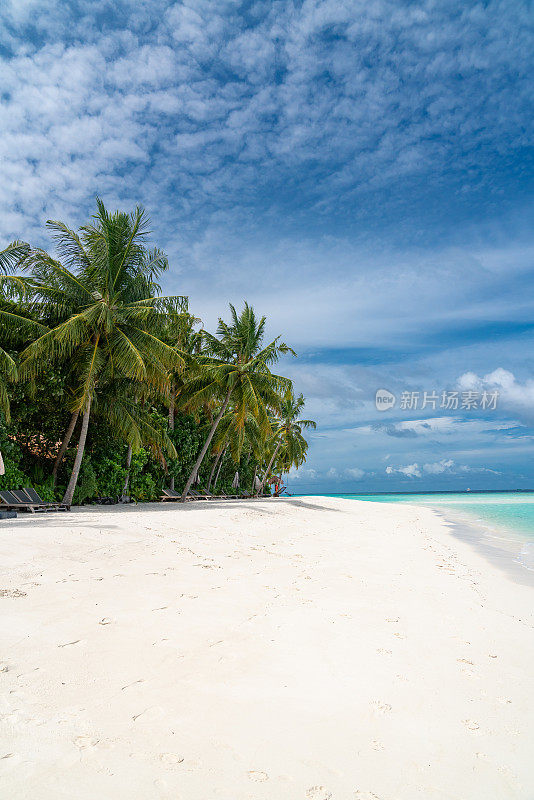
(503, 519)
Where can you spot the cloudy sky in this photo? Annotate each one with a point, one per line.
(360, 170)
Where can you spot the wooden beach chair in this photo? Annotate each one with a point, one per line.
(11, 501)
(200, 495)
(36, 498)
(170, 494)
(222, 496)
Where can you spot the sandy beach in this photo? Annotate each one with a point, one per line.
(306, 648)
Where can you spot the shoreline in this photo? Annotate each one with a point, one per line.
(505, 547)
(308, 648)
(502, 548)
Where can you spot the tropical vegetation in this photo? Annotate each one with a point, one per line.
(110, 389)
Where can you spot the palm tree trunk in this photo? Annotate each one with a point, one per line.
(267, 471)
(171, 426)
(64, 445)
(254, 479)
(171, 412)
(128, 465)
(202, 453)
(214, 467)
(67, 500)
(219, 470)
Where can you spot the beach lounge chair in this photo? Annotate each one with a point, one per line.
(170, 494)
(222, 496)
(11, 501)
(201, 495)
(36, 498)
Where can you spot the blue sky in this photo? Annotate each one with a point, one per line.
(360, 171)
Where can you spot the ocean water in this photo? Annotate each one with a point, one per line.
(505, 520)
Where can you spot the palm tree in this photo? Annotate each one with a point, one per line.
(236, 438)
(20, 327)
(236, 369)
(178, 331)
(287, 433)
(102, 288)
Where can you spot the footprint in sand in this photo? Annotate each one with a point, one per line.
(151, 714)
(384, 651)
(465, 661)
(85, 742)
(471, 725)
(318, 793)
(376, 745)
(105, 621)
(382, 708)
(12, 593)
(133, 683)
(258, 776)
(358, 795)
(171, 759)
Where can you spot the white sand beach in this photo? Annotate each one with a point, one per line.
(299, 649)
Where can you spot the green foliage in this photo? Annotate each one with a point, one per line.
(87, 486)
(110, 475)
(187, 437)
(14, 477)
(89, 332)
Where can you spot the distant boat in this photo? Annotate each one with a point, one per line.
(468, 489)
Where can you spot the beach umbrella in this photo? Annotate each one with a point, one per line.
(235, 482)
(275, 479)
(2, 468)
(257, 483)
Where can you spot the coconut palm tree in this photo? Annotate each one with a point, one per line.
(235, 438)
(178, 331)
(236, 370)
(102, 292)
(20, 327)
(287, 435)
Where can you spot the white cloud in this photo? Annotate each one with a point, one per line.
(303, 473)
(437, 467)
(410, 470)
(445, 465)
(513, 394)
(355, 472)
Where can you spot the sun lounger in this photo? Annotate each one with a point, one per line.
(36, 498)
(222, 496)
(201, 495)
(170, 494)
(10, 500)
